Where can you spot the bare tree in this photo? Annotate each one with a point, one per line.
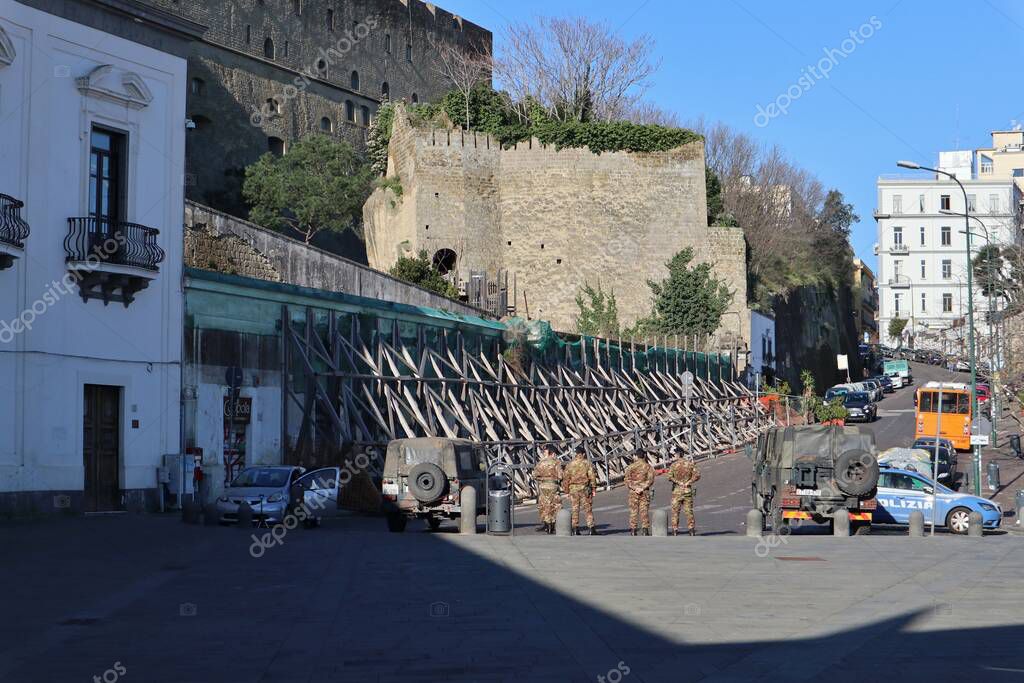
(576, 69)
(465, 68)
(646, 113)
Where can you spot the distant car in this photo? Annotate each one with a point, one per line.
(900, 492)
(859, 407)
(887, 386)
(963, 366)
(837, 392)
(267, 489)
(877, 393)
(948, 464)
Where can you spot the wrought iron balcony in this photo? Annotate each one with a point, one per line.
(112, 260)
(900, 282)
(900, 248)
(112, 242)
(13, 230)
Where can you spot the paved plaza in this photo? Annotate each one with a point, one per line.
(163, 601)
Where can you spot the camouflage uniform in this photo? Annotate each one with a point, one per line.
(548, 473)
(640, 480)
(579, 482)
(683, 474)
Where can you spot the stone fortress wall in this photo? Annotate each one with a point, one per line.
(554, 218)
(372, 49)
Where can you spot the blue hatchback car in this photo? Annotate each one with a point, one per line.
(900, 492)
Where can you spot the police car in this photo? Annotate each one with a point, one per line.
(900, 492)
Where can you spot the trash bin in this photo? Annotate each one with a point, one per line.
(993, 476)
(1015, 444)
(499, 505)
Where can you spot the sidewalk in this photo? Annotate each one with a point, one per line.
(351, 602)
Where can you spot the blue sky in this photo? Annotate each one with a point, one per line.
(933, 75)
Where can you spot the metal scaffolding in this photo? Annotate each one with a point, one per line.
(356, 391)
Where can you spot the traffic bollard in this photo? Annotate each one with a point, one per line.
(467, 503)
(840, 523)
(190, 511)
(245, 517)
(755, 523)
(974, 524)
(917, 524)
(563, 523)
(659, 522)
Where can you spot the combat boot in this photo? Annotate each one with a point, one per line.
(543, 527)
(647, 531)
(551, 528)
(675, 532)
(575, 531)
(693, 532)
(593, 530)
(632, 532)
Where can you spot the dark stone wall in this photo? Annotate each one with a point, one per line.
(812, 326)
(232, 79)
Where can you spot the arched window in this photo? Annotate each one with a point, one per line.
(275, 146)
(365, 115)
(268, 48)
(326, 125)
(355, 80)
(321, 68)
(444, 261)
(273, 105)
(198, 86)
(350, 111)
(387, 43)
(415, 98)
(385, 90)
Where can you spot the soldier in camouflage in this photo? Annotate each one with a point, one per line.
(580, 482)
(639, 479)
(683, 474)
(548, 474)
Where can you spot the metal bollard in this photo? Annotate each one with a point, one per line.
(563, 523)
(917, 524)
(993, 475)
(974, 525)
(467, 503)
(245, 517)
(755, 523)
(659, 522)
(190, 511)
(210, 515)
(840, 523)
(1019, 500)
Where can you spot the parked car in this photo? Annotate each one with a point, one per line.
(962, 365)
(837, 391)
(887, 386)
(948, 463)
(423, 478)
(876, 392)
(859, 407)
(900, 492)
(267, 489)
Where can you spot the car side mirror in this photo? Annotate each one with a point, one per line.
(929, 490)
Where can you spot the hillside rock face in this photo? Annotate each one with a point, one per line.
(812, 326)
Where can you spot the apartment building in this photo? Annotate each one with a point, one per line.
(922, 246)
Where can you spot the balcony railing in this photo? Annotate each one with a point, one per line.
(899, 282)
(113, 242)
(13, 228)
(901, 248)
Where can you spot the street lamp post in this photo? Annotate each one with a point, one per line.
(970, 310)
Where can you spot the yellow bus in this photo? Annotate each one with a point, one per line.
(956, 413)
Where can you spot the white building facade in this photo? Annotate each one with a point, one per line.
(92, 137)
(922, 251)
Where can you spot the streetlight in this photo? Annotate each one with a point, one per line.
(993, 338)
(970, 309)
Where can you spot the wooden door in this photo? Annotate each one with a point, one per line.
(102, 448)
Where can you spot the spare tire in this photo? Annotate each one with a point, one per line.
(856, 472)
(427, 482)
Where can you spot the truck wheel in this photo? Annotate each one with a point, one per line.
(856, 472)
(958, 520)
(396, 523)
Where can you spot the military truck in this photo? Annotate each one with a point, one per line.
(423, 478)
(810, 472)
